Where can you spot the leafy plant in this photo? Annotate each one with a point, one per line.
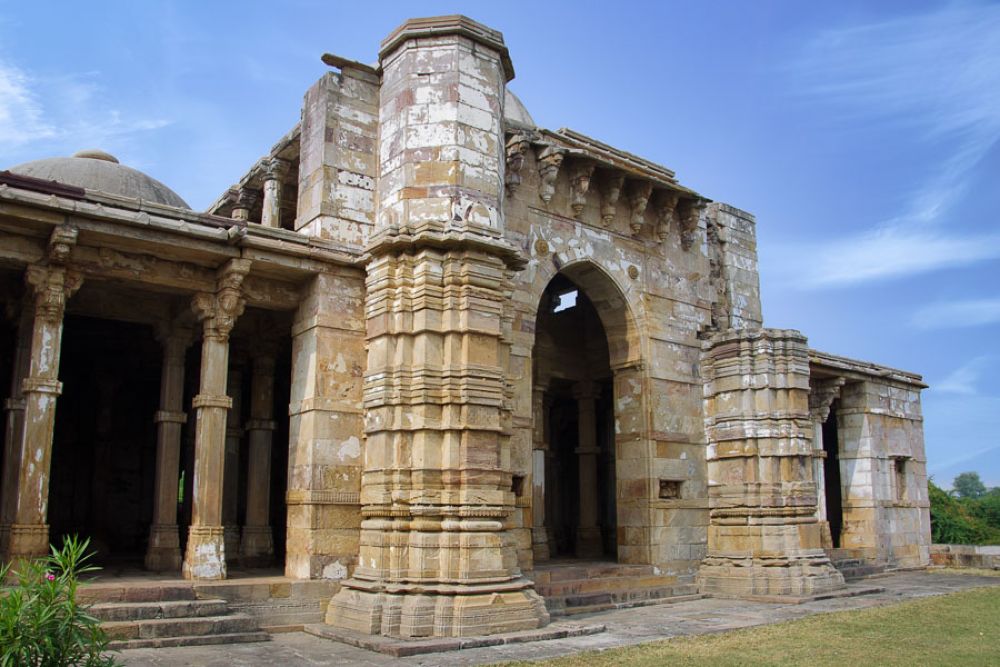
(41, 623)
(961, 520)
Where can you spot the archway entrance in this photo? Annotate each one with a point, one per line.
(574, 402)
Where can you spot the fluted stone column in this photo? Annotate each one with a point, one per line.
(821, 396)
(588, 533)
(275, 170)
(764, 537)
(435, 557)
(540, 436)
(205, 556)
(164, 551)
(50, 286)
(257, 543)
(231, 476)
(14, 426)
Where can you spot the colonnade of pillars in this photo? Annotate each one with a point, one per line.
(589, 540)
(30, 425)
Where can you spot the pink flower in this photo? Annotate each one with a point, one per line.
(50, 576)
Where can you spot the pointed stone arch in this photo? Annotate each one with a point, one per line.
(618, 307)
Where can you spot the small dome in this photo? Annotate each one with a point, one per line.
(514, 110)
(97, 170)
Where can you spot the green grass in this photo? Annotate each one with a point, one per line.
(957, 629)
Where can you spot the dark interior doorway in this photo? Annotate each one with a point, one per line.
(831, 475)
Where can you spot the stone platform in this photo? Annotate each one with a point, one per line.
(625, 627)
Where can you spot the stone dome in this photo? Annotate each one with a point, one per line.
(514, 110)
(97, 170)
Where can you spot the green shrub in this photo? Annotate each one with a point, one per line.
(957, 521)
(41, 623)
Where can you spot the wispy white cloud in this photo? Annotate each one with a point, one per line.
(63, 113)
(963, 379)
(938, 74)
(957, 314)
(21, 118)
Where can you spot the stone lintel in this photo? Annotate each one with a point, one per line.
(439, 26)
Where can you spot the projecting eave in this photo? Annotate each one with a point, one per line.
(823, 364)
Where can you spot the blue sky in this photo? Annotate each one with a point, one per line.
(864, 136)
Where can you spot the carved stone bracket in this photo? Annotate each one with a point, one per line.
(610, 193)
(665, 207)
(638, 199)
(218, 312)
(822, 393)
(517, 146)
(550, 159)
(244, 202)
(61, 243)
(690, 210)
(580, 174)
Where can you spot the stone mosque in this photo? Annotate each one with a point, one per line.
(463, 372)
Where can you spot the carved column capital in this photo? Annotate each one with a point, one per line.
(638, 200)
(580, 173)
(51, 286)
(550, 159)
(245, 198)
(61, 243)
(822, 393)
(275, 168)
(218, 311)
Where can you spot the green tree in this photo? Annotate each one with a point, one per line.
(968, 485)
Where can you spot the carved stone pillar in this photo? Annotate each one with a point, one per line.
(13, 433)
(50, 286)
(821, 396)
(437, 555)
(231, 476)
(205, 556)
(245, 200)
(540, 436)
(589, 543)
(164, 551)
(257, 544)
(274, 171)
(763, 536)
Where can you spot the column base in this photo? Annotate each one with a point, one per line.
(27, 541)
(589, 543)
(231, 536)
(256, 546)
(205, 556)
(799, 575)
(540, 544)
(164, 552)
(509, 607)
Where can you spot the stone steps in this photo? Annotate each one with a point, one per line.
(856, 568)
(587, 588)
(166, 615)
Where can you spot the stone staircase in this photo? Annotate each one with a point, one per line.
(855, 568)
(580, 587)
(156, 616)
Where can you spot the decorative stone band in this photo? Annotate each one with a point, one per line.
(313, 497)
(443, 512)
(171, 417)
(13, 404)
(207, 401)
(209, 532)
(261, 425)
(41, 386)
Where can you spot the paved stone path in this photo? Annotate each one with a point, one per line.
(625, 627)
